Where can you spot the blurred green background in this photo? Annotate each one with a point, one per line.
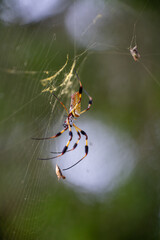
(126, 99)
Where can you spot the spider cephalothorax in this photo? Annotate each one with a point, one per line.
(69, 119)
(73, 113)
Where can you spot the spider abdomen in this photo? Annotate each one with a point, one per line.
(75, 98)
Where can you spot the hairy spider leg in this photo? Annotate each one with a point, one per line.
(86, 148)
(75, 145)
(66, 146)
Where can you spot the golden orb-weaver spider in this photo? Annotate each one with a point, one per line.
(73, 113)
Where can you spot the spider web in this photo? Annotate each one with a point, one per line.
(32, 206)
(29, 181)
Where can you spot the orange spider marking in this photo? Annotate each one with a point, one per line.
(75, 98)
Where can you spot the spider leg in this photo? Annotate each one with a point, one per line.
(133, 36)
(86, 148)
(80, 90)
(57, 135)
(75, 145)
(64, 149)
(89, 103)
(60, 102)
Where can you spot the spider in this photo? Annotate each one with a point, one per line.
(133, 50)
(73, 113)
(135, 54)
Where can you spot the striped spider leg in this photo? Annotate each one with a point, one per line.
(75, 145)
(86, 148)
(73, 113)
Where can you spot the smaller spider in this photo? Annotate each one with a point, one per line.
(73, 113)
(134, 52)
